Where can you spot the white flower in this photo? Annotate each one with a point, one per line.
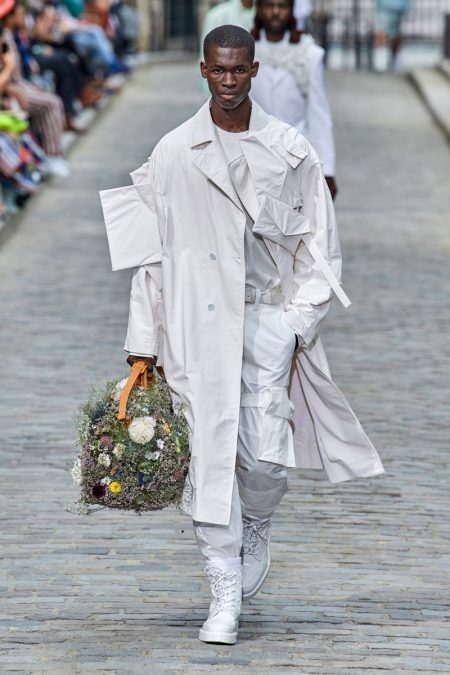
(104, 459)
(106, 480)
(120, 385)
(76, 471)
(160, 443)
(118, 389)
(153, 455)
(118, 450)
(142, 429)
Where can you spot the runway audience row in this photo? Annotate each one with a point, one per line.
(57, 58)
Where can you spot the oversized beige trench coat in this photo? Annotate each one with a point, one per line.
(181, 227)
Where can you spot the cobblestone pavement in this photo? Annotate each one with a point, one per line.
(360, 575)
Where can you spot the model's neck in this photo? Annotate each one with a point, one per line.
(275, 37)
(234, 120)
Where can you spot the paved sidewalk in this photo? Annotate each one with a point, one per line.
(360, 576)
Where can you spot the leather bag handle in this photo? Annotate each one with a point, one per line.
(138, 376)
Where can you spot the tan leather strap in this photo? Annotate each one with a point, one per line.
(138, 376)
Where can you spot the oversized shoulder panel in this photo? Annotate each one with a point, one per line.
(131, 226)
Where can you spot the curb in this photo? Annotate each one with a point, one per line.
(92, 116)
(433, 85)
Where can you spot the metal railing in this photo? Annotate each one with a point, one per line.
(350, 24)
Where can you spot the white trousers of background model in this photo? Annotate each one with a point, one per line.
(264, 431)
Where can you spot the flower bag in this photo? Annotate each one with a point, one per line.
(134, 446)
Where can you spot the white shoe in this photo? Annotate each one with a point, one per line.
(381, 59)
(226, 594)
(57, 166)
(255, 555)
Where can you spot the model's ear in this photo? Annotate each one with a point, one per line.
(203, 69)
(255, 68)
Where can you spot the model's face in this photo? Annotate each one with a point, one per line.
(229, 73)
(275, 15)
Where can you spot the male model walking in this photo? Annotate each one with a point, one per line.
(290, 79)
(231, 231)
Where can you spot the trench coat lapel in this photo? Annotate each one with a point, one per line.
(256, 158)
(208, 155)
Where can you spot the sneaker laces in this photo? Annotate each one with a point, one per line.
(254, 534)
(223, 589)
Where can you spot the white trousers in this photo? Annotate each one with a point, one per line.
(264, 446)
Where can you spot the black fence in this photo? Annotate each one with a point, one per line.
(350, 24)
(181, 24)
(345, 24)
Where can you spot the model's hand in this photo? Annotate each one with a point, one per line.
(149, 360)
(332, 186)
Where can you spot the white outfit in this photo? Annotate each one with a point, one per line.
(181, 226)
(269, 345)
(290, 86)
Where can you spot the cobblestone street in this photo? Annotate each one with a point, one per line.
(360, 572)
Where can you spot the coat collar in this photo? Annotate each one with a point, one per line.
(268, 150)
(203, 131)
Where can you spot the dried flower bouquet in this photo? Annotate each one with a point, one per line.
(139, 463)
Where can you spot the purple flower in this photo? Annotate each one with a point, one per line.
(99, 490)
(106, 442)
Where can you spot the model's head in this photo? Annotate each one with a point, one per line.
(275, 17)
(229, 65)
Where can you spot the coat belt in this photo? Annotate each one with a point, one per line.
(254, 295)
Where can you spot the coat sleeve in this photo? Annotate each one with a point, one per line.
(131, 218)
(319, 123)
(317, 254)
(144, 334)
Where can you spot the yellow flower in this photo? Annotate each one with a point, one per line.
(115, 486)
(167, 429)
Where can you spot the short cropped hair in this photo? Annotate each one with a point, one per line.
(231, 37)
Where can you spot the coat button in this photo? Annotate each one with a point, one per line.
(212, 256)
(211, 307)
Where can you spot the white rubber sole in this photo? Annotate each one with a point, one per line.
(250, 594)
(217, 637)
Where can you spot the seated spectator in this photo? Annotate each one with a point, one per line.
(48, 40)
(45, 110)
(37, 59)
(21, 162)
(90, 36)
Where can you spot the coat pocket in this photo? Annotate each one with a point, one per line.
(276, 443)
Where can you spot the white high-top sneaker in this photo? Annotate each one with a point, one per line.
(381, 59)
(226, 594)
(256, 555)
